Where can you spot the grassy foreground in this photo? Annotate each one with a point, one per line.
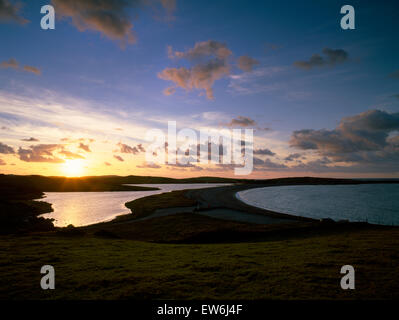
(98, 268)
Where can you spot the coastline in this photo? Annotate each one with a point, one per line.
(111, 257)
(225, 198)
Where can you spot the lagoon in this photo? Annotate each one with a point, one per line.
(85, 208)
(373, 203)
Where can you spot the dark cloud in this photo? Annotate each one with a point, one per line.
(260, 164)
(31, 139)
(265, 151)
(293, 156)
(367, 131)
(5, 149)
(394, 75)
(84, 147)
(119, 158)
(246, 63)
(241, 121)
(41, 153)
(331, 58)
(109, 17)
(9, 12)
(365, 138)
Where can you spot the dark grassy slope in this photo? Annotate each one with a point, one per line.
(301, 268)
(18, 212)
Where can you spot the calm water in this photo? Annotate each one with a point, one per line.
(374, 203)
(84, 208)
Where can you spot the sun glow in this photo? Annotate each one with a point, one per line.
(73, 168)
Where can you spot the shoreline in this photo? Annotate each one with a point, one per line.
(225, 198)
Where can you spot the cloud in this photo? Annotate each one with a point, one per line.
(265, 151)
(241, 121)
(84, 147)
(260, 164)
(124, 148)
(107, 164)
(332, 58)
(2, 162)
(201, 76)
(293, 156)
(205, 49)
(271, 47)
(368, 137)
(209, 62)
(185, 166)
(169, 91)
(52, 153)
(366, 131)
(109, 17)
(70, 155)
(394, 75)
(119, 158)
(31, 139)
(169, 5)
(41, 153)
(32, 69)
(5, 149)
(14, 64)
(148, 165)
(257, 81)
(9, 12)
(76, 140)
(246, 63)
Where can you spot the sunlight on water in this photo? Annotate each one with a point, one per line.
(373, 203)
(84, 208)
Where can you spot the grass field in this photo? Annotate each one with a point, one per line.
(96, 268)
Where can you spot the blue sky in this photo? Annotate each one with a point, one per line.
(89, 71)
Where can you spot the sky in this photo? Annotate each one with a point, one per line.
(79, 99)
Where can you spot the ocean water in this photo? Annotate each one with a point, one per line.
(373, 203)
(84, 208)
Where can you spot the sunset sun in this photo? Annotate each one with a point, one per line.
(73, 168)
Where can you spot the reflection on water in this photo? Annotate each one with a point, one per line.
(373, 203)
(84, 208)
